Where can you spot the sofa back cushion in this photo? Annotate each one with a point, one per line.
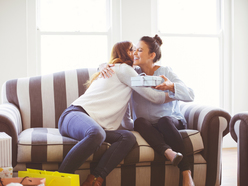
(42, 99)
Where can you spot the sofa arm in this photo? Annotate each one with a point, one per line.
(239, 132)
(11, 124)
(239, 121)
(199, 116)
(213, 124)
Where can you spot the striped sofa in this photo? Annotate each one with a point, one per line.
(30, 110)
(239, 132)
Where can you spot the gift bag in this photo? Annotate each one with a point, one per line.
(52, 178)
(24, 181)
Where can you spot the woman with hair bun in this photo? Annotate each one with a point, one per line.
(91, 122)
(166, 118)
(152, 120)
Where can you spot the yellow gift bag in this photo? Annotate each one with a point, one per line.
(52, 178)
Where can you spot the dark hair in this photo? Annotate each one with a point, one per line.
(153, 44)
(118, 55)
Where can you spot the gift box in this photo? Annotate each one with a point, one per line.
(6, 172)
(145, 80)
(5, 150)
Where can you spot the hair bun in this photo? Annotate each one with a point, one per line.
(158, 39)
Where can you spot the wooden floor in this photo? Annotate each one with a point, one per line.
(229, 167)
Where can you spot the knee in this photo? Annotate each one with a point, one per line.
(139, 123)
(129, 136)
(98, 134)
(165, 123)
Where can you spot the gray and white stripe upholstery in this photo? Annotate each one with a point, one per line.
(42, 99)
(31, 109)
(42, 145)
(239, 132)
(213, 123)
(11, 124)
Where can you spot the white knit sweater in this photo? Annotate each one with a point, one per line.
(106, 99)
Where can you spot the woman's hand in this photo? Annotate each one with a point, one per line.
(166, 85)
(105, 70)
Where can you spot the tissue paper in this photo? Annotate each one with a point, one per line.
(6, 172)
(14, 184)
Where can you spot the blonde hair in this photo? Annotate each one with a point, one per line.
(118, 55)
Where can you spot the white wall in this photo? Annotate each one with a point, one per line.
(18, 56)
(239, 61)
(136, 19)
(13, 39)
(240, 55)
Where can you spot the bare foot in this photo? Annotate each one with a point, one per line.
(187, 178)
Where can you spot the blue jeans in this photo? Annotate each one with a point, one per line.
(77, 124)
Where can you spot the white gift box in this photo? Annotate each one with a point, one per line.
(146, 80)
(6, 172)
(5, 150)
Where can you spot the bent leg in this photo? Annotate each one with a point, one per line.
(78, 125)
(121, 142)
(153, 137)
(169, 126)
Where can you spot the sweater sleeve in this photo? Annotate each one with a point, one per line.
(125, 72)
(127, 121)
(182, 92)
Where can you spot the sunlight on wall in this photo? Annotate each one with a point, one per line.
(76, 36)
(190, 32)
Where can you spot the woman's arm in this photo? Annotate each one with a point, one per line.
(105, 70)
(127, 121)
(125, 72)
(178, 89)
(166, 85)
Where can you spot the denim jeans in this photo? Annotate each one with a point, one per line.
(77, 124)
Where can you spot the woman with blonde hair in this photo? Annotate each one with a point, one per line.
(97, 114)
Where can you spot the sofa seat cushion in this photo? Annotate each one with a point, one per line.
(41, 145)
(142, 151)
(47, 145)
(192, 141)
